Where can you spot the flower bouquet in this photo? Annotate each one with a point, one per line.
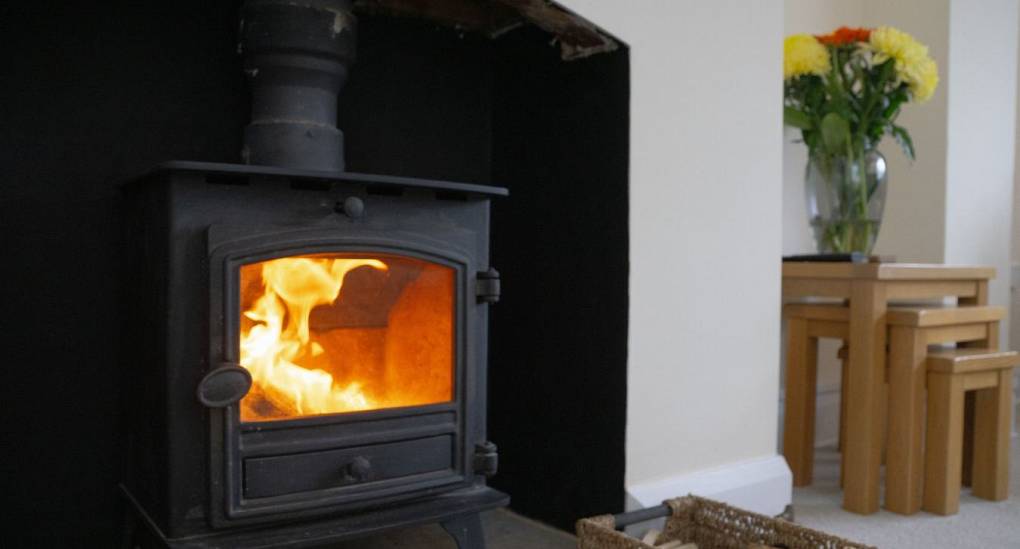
(844, 91)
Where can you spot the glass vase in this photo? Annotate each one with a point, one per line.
(845, 200)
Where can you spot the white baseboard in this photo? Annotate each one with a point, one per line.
(763, 485)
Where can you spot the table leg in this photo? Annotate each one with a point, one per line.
(866, 377)
(904, 463)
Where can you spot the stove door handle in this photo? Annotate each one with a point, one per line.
(224, 385)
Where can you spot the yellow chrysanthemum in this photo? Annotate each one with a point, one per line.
(923, 78)
(912, 63)
(892, 43)
(804, 54)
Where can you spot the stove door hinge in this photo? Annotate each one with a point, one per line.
(486, 459)
(487, 286)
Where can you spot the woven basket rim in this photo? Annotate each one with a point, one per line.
(718, 523)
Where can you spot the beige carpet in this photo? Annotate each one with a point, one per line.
(980, 523)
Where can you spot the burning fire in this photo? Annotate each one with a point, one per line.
(279, 337)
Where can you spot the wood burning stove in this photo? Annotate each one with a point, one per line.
(306, 347)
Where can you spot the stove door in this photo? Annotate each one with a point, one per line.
(355, 347)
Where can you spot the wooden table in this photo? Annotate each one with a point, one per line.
(869, 287)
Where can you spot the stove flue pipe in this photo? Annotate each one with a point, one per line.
(296, 54)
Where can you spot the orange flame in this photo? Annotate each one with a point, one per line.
(280, 336)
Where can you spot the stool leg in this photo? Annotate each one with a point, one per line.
(944, 444)
(904, 468)
(799, 416)
(991, 439)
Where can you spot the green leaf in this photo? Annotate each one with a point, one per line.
(897, 98)
(835, 132)
(795, 118)
(903, 138)
(877, 129)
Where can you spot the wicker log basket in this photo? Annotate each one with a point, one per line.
(710, 525)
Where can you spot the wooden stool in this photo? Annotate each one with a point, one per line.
(951, 373)
(806, 323)
(913, 329)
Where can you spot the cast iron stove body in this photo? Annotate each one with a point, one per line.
(305, 347)
(198, 466)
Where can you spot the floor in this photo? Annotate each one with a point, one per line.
(503, 530)
(980, 523)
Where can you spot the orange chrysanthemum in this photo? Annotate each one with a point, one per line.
(845, 35)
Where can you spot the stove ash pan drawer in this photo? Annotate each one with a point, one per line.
(279, 475)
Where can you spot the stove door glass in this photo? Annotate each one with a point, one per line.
(337, 333)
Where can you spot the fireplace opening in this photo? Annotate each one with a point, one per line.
(422, 101)
(337, 333)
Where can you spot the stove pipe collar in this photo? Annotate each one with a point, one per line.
(296, 55)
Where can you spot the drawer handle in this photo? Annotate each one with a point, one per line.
(358, 470)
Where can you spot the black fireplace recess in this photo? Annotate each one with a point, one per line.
(307, 347)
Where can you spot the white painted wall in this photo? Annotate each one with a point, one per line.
(981, 129)
(1016, 206)
(1014, 337)
(705, 234)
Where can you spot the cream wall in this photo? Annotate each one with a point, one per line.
(981, 129)
(1015, 278)
(705, 231)
(1015, 310)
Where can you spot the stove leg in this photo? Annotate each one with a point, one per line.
(466, 530)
